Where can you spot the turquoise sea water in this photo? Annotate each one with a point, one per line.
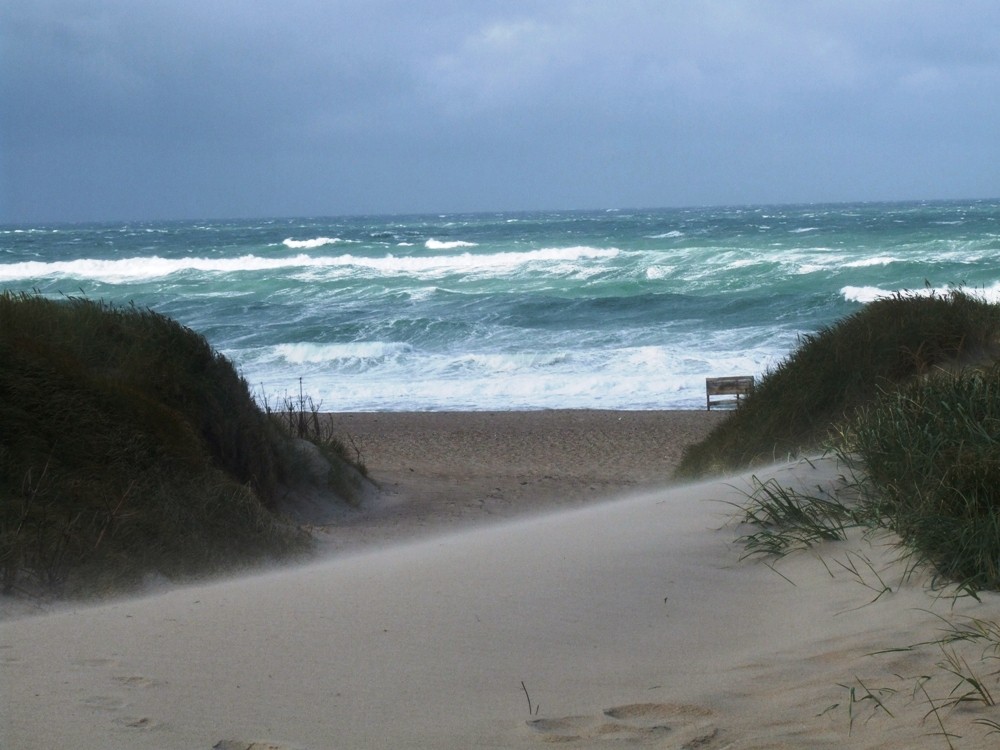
(597, 309)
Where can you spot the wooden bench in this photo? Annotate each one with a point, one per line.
(738, 386)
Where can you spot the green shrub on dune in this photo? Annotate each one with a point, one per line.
(833, 372)
(128, 447)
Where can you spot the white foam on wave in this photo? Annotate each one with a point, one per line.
(141, 269)
(866, 294)
(744, 263)
(311, 353)
(807, 268)
(382, 375)
(817, 260)
(878, 260)
(654, 273)
(309, 244)
(433, 244)
(666, 235)
(127, 270)
(498, 263)
(506, 363)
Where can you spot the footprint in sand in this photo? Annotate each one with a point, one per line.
(245, 745)
(96, 662)
(135, 681)
(143, 723)
(104, 702)
(663, 725)
(6, 658)
(113, 703)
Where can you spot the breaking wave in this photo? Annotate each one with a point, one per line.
(309, 244)
(139, 269)
(433, 244)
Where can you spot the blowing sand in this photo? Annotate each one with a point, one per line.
(624, 622)
(447, 470)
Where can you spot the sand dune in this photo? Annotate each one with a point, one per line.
(630, 622)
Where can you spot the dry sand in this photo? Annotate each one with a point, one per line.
(629, 622)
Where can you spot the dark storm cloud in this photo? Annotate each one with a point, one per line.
(142, 109)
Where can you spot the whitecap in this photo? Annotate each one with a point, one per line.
(143, 268)
(433, 244)
(816, 259)
(866, 294)
(807, 268)
(126, 270)
(307, 244)
(376, 375)
(655, 273)
(495, 263)
(879, 260)
(311, 353)
(743, 263)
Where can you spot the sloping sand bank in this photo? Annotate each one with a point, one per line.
(622, 624)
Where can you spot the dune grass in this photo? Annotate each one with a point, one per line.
(785, 520)
(128, 448)
(930, 452)
(907, 392)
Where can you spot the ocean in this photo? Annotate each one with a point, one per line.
(617, 309)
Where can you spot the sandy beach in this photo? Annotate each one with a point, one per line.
(447, 470)
(523, 579)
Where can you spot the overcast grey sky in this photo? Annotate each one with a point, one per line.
(143, 109)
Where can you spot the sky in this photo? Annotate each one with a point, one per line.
(146, 110)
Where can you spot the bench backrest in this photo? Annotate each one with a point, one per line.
(738, 386)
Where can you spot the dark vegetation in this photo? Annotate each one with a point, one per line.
(129, 448)
(833, 372)
(906, 391)
(930, 452)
